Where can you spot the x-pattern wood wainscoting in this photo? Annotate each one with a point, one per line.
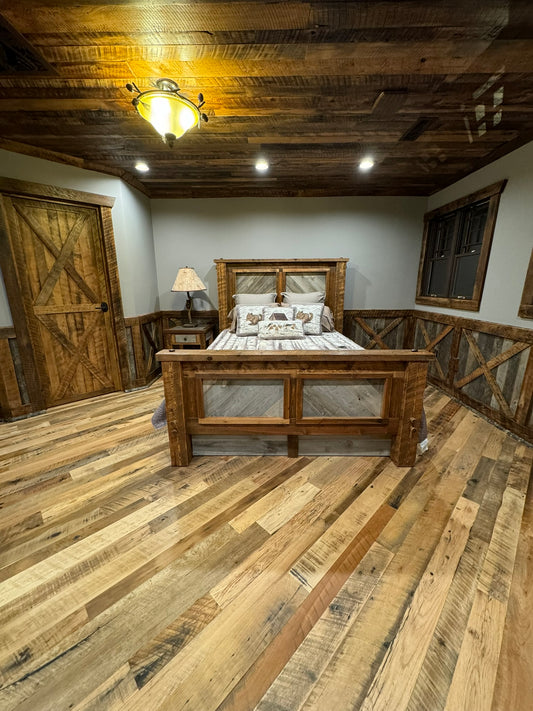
(488, 366)
(263, 583)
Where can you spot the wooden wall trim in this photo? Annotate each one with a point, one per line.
(514, 332)
(116, 295)
(28, 189)
(16, 304)
(7, 332)
(145, 318)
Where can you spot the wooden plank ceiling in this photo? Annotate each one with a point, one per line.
(432, 90)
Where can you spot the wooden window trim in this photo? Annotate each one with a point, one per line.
(492, 193)
(526, 304)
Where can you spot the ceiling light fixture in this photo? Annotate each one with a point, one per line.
(261, 165)
(142, 167)
(169, 112)
(366, 164)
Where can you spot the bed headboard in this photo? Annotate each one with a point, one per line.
(258, 276)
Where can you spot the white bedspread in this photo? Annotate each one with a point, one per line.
(228, 341)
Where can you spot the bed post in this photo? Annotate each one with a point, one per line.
(222, 285)
(179, 440)
(403, 446)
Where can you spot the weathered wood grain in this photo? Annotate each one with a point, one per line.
(514, 679)
(272, 78)
(260, 582)
(406, 654)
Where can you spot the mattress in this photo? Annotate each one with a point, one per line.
(331, 341)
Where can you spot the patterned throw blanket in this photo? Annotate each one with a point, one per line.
(327, 341)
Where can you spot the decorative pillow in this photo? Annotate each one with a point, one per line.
(311, 316)
(311, 297)
(255, 299)
(248, 318)
(232, 316)
(327, 321)
(281, 329)
(278, 313)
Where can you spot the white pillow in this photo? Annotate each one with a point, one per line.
(328, 322)
(281, 329)
(310, 297)
(248, 318)
(278, 313)
(254, 299)
(311, 317)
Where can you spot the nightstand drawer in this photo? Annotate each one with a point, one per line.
(185, 338)
(197, 335)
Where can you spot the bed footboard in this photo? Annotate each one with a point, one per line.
(292, 395)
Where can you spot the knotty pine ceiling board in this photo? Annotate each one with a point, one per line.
(432, 90)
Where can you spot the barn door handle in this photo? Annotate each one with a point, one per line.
(103, 307)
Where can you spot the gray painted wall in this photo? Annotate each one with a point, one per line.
(513, 236)
(380, 235)
(132, 225)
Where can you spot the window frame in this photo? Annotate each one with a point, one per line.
(526, 302)
(491, 193)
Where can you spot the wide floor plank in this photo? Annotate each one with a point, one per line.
(267, 583)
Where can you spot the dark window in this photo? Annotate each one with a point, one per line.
(455, 250)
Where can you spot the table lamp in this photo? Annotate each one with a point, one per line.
(188, 280)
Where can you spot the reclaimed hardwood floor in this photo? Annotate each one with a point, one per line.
(261, 583)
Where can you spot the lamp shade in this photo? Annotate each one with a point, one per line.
(187, 280)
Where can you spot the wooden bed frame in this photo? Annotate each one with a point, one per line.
(237, 275)
(403, 373)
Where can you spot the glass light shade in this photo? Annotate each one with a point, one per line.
(168, 113)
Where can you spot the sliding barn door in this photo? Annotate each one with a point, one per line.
(62, 277)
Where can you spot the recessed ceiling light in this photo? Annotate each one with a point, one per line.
(366, 163)
(261, 165)
(142, 167)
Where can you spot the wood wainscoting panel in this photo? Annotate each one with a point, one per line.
(14, 400)
(485, 365)
(383, 329)
(144, 339)
(437, 338)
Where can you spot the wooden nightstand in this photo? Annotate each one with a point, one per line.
(184, 336)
